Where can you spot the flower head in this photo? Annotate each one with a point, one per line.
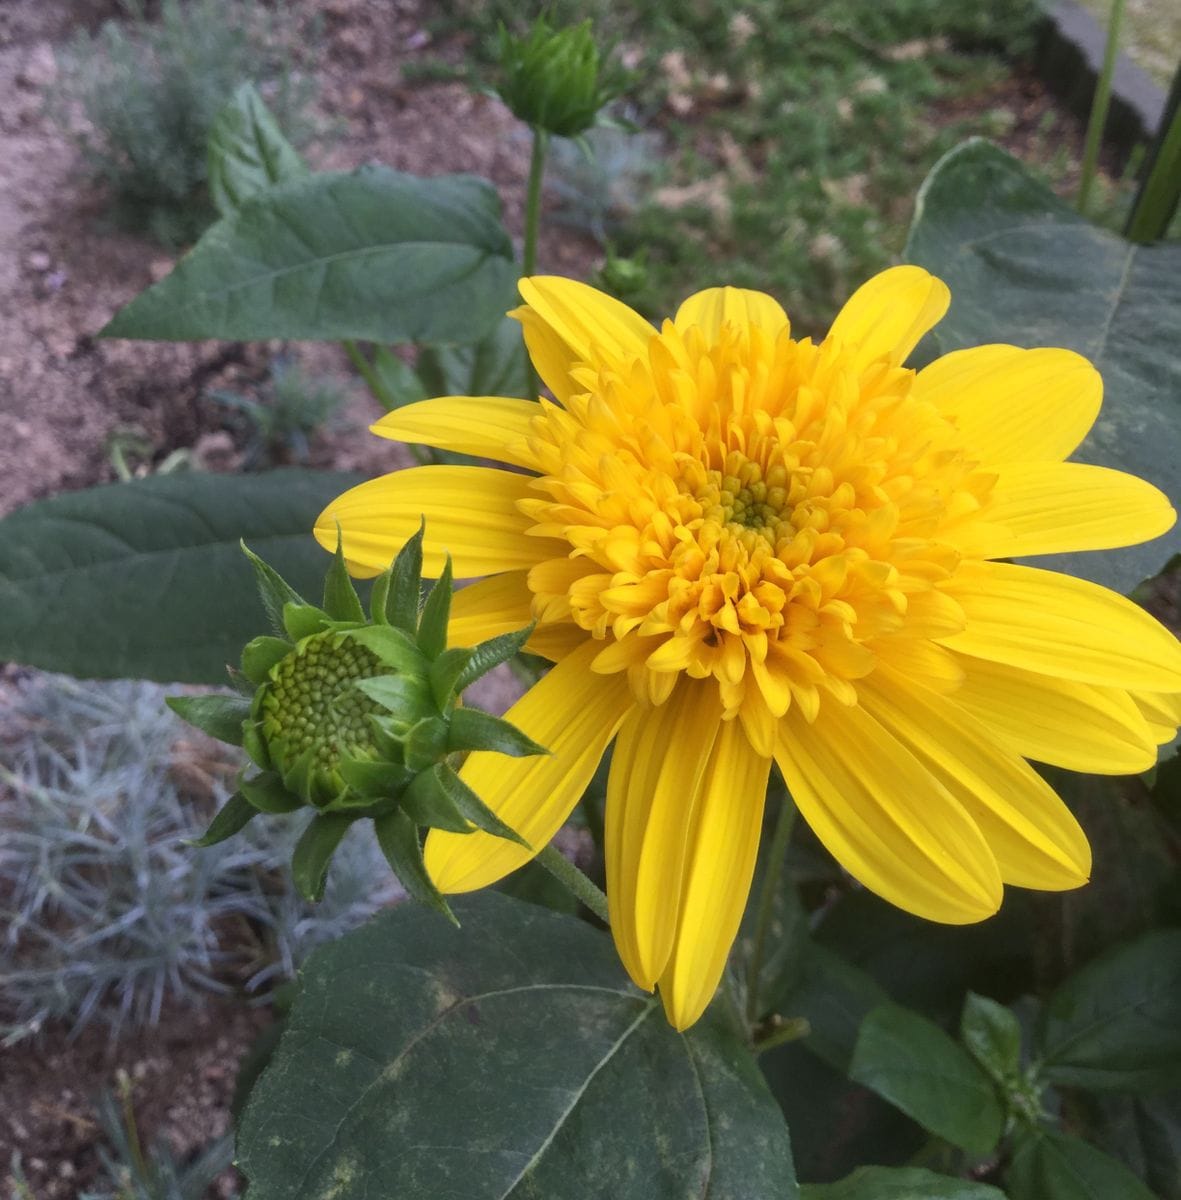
(741, 547)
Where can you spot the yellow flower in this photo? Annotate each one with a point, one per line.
(739, 548)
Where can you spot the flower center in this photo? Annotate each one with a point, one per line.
(754, 510)
(311, 708)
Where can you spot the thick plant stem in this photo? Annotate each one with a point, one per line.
(575, 882)
(532, 223)
(1099, 106)
(775, 856)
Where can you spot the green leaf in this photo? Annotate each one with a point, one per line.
(379, 595)
(472, 729)
(1054, 1166)
(341, 602)
(408, 697)
(219, 716)
(231, 817)
(899, 1183)
(146, 579)
(504, 1060)
(395, 648)
(425, 743)
(1025, 268)
(992, 1035)
(491, 654)
(911, 1062)
(374, 780)
(260, 654)
(439, 797)
(374, 255)
(273, 590)
(436, 612)
(247, 152)
(398, 380)
(1116, 1024)
(303, 620)
(406, 584)
(445, 673)
(397, 835)
(314, 851)
(493, 366)
(268, 794)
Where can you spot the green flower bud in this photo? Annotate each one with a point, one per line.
(556, 80)
(359, 719)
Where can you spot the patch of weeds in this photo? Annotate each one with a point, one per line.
(795, 134)
(140, 95)
(106, 912)
(277, 426)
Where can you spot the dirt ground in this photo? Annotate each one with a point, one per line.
(63, 394)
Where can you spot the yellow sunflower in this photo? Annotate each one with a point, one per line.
(741, 547)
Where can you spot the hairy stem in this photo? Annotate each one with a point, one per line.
(532, 223)
(579, 886)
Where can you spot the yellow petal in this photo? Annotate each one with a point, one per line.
(1096, 730)
(1036, 840)
(887, 315)
(740, 307)
(590, 322)
(552, 358)
(1058, 508)
(496, 605)
(723, 844)
(470, 512)
(1058, 625)
(656, 772)
(885, 818)
(574, 714)
(556, 640)
(483, 426)
(1015, 405)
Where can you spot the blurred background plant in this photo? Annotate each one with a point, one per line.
(140, 95)
(107, 913)
(290, 408)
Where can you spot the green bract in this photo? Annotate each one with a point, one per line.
(556, 80)
(359, 718)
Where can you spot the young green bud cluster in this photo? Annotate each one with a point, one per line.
(359, 718)
(556, 80)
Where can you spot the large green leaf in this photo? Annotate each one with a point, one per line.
(147, 579)
(507, 1058)
(247, 152)
(899, 1183)
(1053, 1166)
(1116, 1024)
(374, 254)
(1143, 1132)
(1025, 268)
(912, 1063)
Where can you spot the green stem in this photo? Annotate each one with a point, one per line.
(775, 857)
(378, 390)
(532, 223)
(1161, 190)
(579, 886)
(1099, 106)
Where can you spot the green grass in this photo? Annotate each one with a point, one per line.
(796, 134)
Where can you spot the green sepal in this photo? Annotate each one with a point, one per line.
(255, 746)
(267, 793)
(341, 601)
(472, 729)
(491, 654)
(304, 620)
(274, 591)
(314, 851)
(298, 776)
(427, 802)
(445, 673)
(465, 802)
(394, 647)
(261, 654)
(240, 682)
(406, 584)
(379, 598)
(219, 716)
(230, 818)
(374, 780)
(425, 743)
(408, 697)
(397, 835)
(387, 736)
(436, 612)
